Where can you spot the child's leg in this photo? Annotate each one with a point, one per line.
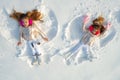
(34, 44)
(87, 53)
(31, 44)
(92, 40)
(38, 53)
(73, 58)
(84, 38)
(90, 54)
(75, 51)
(36, 58)
(35, 51)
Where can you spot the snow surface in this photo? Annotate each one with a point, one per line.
(61, 16)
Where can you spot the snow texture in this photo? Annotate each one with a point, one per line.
(63, 26)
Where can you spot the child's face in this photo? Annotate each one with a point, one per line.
(25, 22)
(95, 30)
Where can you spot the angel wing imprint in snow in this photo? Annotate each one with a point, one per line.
(49, 26)
(77, 52)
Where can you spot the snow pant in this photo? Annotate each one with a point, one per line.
(34, 45)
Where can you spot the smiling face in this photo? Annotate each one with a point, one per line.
(94, 30)
(25, 22)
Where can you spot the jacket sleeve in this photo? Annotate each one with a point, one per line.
(42, 34)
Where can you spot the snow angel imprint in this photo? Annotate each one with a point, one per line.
(90, 34)
(28, 29)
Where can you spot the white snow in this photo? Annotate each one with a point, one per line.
(62, 23)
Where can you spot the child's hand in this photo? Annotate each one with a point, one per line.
(108, 25)
(46, 39)
(19, 43)
(86, 19)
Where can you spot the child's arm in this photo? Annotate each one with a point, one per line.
(42, 34)
(107, 27)
(85, 21)
(84, 27)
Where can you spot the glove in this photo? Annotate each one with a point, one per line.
(108, 25)
(86, 19)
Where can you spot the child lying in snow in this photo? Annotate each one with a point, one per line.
(89, 35)
(97, 29)
(28, 29)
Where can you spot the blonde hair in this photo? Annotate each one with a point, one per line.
(35, 15)
(100, 20)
